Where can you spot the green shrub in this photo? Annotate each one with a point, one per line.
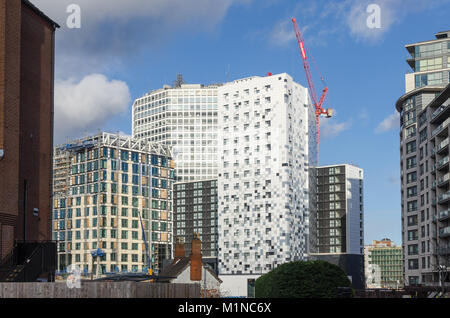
(302, 279)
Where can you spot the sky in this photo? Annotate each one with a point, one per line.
(125, 48)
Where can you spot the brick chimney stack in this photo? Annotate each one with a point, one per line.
(180, 250)
(196, 258)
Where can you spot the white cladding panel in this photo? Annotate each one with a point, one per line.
(263, 184)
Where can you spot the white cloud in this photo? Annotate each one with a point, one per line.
(389, 123)
(321, 19)
(84, 106)
(175, 12)
(392, 12)
(113, 31)
(330, 128)
(282, 34)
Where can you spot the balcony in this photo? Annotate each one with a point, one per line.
(440, 113)
(443, 180)
(443, 145)
(409, 122)
(444, 198)
(445, 232)
(442, 163)
(437, 112)
(444, 215)
(440, 128)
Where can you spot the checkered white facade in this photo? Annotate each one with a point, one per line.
(266, 146)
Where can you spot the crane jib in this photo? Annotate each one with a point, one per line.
(302, 47)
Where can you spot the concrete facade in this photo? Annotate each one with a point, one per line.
(424, 134)
(183, 117)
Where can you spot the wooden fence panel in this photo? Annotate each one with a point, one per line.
(99, 290)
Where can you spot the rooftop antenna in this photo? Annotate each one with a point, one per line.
(179, 81)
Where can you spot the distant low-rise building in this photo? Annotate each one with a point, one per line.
(383, 265)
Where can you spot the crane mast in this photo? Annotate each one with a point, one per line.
(319, 110)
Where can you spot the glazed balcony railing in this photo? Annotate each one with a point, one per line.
(445, 232)
(437, 112)
(443, 179)
(444, 197)
(443, 215)
(442, 162)
(440, 127)
(442, 145)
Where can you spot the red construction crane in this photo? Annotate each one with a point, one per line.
(317, 104)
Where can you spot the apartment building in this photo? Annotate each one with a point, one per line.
(340, 219)
(266, 154)
(112, 209)
(424, 138)
(195, 212)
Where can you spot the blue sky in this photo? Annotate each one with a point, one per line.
(126, 48)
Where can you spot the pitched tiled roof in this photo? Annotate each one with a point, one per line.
(177, 266)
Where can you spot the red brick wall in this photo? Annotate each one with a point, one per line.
(10, 21)
(26, 121)
(196, 260)
(36, 122)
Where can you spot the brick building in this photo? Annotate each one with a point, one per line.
(26, 123)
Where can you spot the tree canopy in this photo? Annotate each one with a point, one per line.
(302, 279)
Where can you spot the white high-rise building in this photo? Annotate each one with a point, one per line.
(185, 118)
(267, 158)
